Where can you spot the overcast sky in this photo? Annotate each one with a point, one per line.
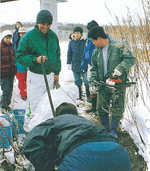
(73, 11)
(83, 11)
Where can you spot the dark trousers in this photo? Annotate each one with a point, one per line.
(7, 88)
(103, 104)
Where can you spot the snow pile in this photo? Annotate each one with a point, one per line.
(137, 125)
(136, 119)
(65, 94)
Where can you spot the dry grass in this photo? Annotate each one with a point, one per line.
(137, 35)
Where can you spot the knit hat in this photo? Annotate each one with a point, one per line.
(91, 24)
(78, 29)
(44, 16)
(22, 30)
(96, 32)
(6, 33)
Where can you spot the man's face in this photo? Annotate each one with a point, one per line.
(77, 35)
(44, 27)
(98, 43)
(7, 39)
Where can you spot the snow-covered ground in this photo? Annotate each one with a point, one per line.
(136, 119)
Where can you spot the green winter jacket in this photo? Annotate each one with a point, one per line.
(120, 57)
(47, 144)
(34, 44)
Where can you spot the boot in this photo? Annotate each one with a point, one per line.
(93, 107)
(80, 92)
(113, 128)
(105, 121)
(88, 94)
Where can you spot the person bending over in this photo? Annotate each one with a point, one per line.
(72, 143)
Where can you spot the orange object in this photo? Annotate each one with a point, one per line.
(115, 80)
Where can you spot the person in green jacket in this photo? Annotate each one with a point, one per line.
(116, 58)
(73, 143)
(37, 45)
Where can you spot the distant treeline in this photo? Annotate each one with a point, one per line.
(12, 26)
(61, 26)
(64, 29)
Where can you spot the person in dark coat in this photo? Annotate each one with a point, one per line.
(73, 143)
(87, 54)
(87, 61)
(8, 70)
(15, 38)
(74, 59)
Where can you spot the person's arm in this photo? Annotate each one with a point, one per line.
(128, 59)
(94, 70)
(69, 54)
(38, 146)
(84, 63)
(58, 60)
(24, 55)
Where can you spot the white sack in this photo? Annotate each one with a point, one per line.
(65, 94)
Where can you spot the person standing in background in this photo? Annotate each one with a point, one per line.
(21, 69)
(87, 61)
(74, 58)
(16, 35)
(8, 70)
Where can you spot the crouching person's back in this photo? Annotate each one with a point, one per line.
(73, 143)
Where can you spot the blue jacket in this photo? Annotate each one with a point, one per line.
(87, 54)
(20, 68)
(15, 39)
(75, 53)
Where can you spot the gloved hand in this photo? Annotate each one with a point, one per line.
(116, 73)
(110, 82)
(92, 90)
(69, 66)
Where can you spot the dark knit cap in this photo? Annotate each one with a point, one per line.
(78, 29)
(44, 16)
(97, 31)
(91, 24)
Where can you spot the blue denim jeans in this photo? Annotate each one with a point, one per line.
(97, 156)
(78, 80)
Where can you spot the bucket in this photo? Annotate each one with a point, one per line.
(19, 116)
(3, 138)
